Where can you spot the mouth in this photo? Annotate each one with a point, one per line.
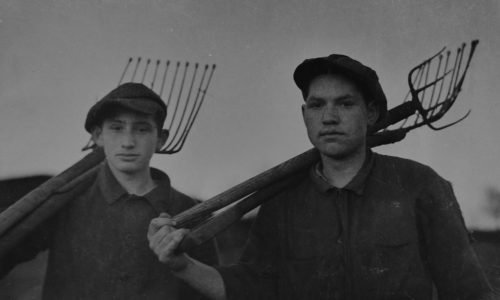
(330, 133)
(125, 156)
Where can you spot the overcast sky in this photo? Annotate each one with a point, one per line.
(57, 57)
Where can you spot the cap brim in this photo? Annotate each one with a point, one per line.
(148, 107)
(311, 68)
(145, 106)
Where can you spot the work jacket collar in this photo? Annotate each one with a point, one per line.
(112, 190)
(357, 183)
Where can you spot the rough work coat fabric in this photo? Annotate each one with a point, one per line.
(391, 233)
(99, 248)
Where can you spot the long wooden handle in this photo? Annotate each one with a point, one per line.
(36, 197)
(46, 209)
(187, 218)
(190, 217)
(221, 221)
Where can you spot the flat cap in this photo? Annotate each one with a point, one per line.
(364, 76)
(131, 95)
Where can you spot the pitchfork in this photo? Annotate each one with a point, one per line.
(434, 86)
(182, 107)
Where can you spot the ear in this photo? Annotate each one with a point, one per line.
(97, 136)
(162, 139)
(373, 113)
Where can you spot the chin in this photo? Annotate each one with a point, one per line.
(335, 151)
(127, 168)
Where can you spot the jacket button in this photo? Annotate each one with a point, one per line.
(339, 241)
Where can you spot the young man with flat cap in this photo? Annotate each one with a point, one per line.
(359, 225)
(97, 243)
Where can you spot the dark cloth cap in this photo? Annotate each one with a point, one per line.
(362, 75)
(131, 95)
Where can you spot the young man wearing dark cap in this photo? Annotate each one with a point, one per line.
(98, 245)
(359, 225)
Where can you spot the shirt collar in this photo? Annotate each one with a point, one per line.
(357, 183)
(112, 190)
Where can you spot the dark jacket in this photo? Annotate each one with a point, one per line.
(99, 248)
(394, 231)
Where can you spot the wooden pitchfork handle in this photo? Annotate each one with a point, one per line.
(46, 209)
(270, 184)
(192, 216)
(27, 204)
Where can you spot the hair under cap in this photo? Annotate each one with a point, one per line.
(130, 95)
(362, 75)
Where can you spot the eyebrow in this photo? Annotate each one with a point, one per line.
(133, 123)
(342, 97)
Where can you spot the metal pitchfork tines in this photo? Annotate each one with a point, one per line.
(434, 87)
(182, 107)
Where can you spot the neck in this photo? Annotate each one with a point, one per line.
(139, 183)
(340, 171)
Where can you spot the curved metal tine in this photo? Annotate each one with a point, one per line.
(440, 108)
(417, 79)
(438, 80)
(90, 145)
(184, 109)
(418, 69)
(173, 83)
(125, 70)
(454, 74)
(423, 115)
(136, 67)
(153, 81)
(407, 98)
(457, 86)
(454, 94)
(192, 115)
(204, 93)
(430, 109)
(145, 70)
(454, 87)
(442, 80)
(179, 94)
(167, 64)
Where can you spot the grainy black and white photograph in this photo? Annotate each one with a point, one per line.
(167, 149)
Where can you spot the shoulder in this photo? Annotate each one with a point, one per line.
(402, 166)
(295, 186)
(178, 202)
(178, 196)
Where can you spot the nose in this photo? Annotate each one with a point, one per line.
(128, 140)
(330, 115)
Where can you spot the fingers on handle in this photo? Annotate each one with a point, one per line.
(168, 245)
(157, 223)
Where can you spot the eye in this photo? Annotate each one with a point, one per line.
(347, 104)
(314, 104)
(144, 129)
(115, 127)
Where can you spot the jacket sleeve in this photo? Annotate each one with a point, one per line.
(10, 191)
(27, 249)
(454, 266)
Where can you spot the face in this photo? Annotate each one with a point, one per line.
(337, 117)
(129, 140)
